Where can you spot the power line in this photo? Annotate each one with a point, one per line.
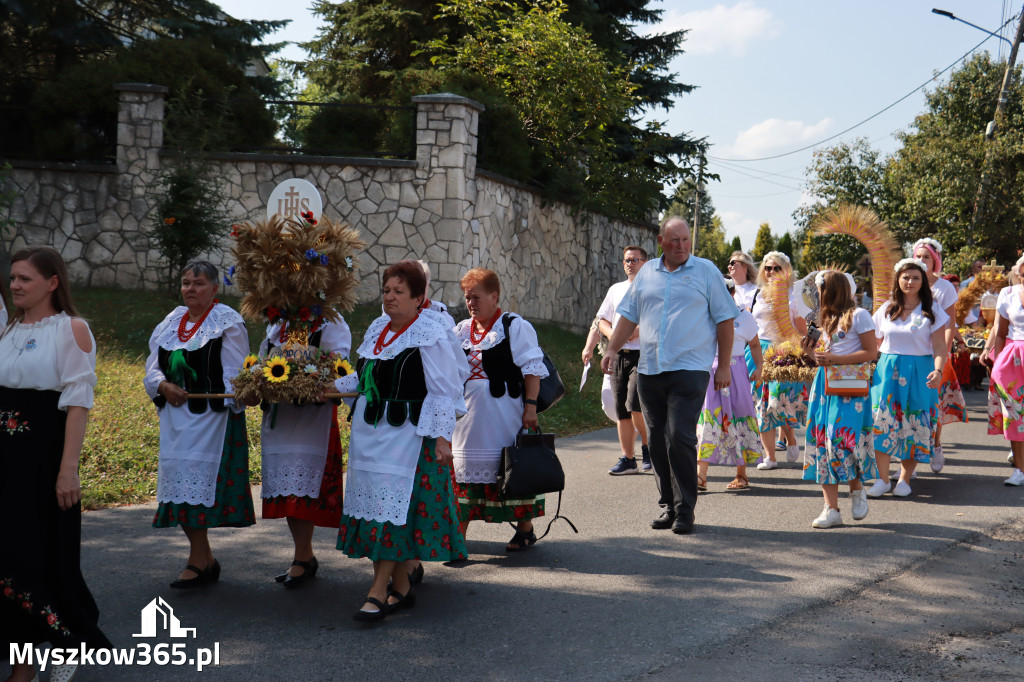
(872, 116)
(755, 196)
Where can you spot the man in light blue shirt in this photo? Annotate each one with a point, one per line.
(685, 314)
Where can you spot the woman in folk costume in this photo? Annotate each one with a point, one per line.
(302, 456)
(952, 407)
(727, 428)
(506, 365)
(1006, 389)
(839, 445)
(400, 503)
(47, 376)
(203, 475)
(904, 388)
(779, 404)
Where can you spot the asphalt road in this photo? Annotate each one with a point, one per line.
(927, 587)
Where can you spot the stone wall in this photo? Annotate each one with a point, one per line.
(554, 265)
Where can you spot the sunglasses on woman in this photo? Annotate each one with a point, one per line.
(734, 263)
(773, 268)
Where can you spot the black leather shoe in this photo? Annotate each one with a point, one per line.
(204, 576)
(663, 522)
(682, 526)
(308, 574)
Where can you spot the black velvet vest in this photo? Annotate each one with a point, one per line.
(400, 388)
(206, 364)
(502, 372)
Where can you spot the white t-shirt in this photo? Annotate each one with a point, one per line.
(766, 328)
(943, 294)
(846, 342)
(912, 336)
(745, 294)
(744, 328)
(1009, 306)
(608, 306)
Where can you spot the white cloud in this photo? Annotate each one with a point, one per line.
(774, 134)
(736, 224)
(721, 29)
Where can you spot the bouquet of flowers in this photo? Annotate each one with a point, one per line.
(279, 379)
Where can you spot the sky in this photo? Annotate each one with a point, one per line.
(776, 76)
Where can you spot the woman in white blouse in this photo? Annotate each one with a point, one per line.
(952, 407)
(904, 388)
(47, 376)
(203, 474)
(1006, 390)
(400, 504)
(743, 272)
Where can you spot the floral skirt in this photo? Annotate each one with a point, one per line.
(1006, 393)
(727, 426)
(952, 407)
(325, 509)
(777, 403)
(482, 501)
(839, 445)
(431, 528)
(232, 506)
(904, 409)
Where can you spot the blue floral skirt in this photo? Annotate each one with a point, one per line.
(777, 403)
(839, 443)
(904, 409)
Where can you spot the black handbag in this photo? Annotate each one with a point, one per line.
(551, 388)
(531, 468)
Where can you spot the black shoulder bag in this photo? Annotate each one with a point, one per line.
(531, 468)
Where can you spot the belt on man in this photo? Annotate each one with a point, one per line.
(630, 353)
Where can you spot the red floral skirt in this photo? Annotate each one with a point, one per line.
(324, 510)
(482, 501)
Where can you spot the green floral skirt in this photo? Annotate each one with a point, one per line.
(232, 506)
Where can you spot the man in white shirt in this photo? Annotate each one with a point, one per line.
(627, 401)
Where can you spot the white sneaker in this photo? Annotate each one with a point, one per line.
(792, 453)
(859, 506)
(896, 475)
(880, 488)
(829, 517)
(1017, 478)
(767, 464)
(937, 459)
(902, 489)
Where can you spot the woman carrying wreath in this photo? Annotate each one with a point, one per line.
(839, 446)
(47, 375)
(301, 450)
(400, 504)
(506, 365)
(904, 388)
(203, 474)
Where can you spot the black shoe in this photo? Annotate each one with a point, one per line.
(682, 526)
(403, 601)
(416, 576)
(204, 576)
(309, 573)
(521, 540)
(382, 610)
(664, 522)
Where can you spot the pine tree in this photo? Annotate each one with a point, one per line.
(785, 245)
(764, 243)
(736, 244)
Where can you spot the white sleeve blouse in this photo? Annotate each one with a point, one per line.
(44, 356)
(744, 329)
(846, 342)
(912, 336)
(1009, 306)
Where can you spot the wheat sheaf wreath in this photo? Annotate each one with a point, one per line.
(289, 263)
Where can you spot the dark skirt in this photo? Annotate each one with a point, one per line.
(43, 596)
(482, 501)
(431, 529)
(232, 502)
(324, 510)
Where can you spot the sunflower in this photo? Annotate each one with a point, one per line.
(250, 361)
(342, 368)
(277, 370)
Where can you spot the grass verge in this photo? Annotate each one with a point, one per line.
(119, 460)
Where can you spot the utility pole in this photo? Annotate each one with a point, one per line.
(698, 189)
(993, 126)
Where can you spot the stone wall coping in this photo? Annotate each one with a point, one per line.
(71, 166)
(295, 158)
(141, 87)
(448, 98)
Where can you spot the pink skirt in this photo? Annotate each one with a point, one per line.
(1006, 393)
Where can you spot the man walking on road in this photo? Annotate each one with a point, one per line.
(623, 378)
(685, 313)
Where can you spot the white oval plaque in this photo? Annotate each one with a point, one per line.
(294, 197)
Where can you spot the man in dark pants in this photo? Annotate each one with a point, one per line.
(685, 313)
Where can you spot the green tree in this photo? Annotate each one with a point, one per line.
(737, 245)
(934, 178)
(846, 173)
(683, 203)
(764, 242)
(785, 245)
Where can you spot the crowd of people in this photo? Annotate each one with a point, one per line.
(892, 389)
(435, 402)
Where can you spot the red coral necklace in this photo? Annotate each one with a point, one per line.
(382, 344)
(184, 333)
(475, 338)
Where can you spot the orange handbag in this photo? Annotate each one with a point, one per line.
(851, 381)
